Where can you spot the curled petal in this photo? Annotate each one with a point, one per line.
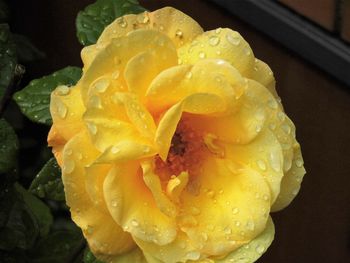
(179, 27)
(98, 227)
(222, 43)
(115, 56)
(140, 216)
(291, 181)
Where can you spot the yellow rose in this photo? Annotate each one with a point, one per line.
(174, 145)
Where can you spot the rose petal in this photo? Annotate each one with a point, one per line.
(66, 108)
(140, 216)
(179, 27)
(224, 188)
(114, 57)
(291, 181)
(222, 43)
(254, 249)
(210, 76)
(98, 227)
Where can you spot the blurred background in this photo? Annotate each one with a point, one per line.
(306, 43)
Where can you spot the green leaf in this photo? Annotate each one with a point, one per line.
(95, 17)
(18, 225)
(8, 58)
(89, 257)
(26, 51)
(40, 210)
(4, 12)
(8, 147)
(48, 182)
(60, 246)
(250, 252)
(34, 99)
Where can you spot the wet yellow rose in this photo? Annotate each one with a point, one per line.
(174, 145)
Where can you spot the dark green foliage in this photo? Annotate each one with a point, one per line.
(34, 99)
(48, 182)
(95, 17)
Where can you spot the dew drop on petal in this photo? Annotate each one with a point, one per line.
(115, 149)
(235, 210)
(189, 75)
(179, 33)
(134, 222)
(92, 128)
(234, 40)
(214, 40)
(260, 249)
(116, 74)
(275, 162)
(62, 110)
(261, 164)
(202, 54)
(272, 104)
(62, 90)
(299, 162)
(69, 166)
(101, 85)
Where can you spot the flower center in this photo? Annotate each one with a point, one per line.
(185, 154)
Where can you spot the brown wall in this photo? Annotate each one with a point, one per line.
(316, 226)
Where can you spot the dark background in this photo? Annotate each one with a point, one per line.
(316, 226)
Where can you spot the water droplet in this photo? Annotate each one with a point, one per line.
(193, 255)
(250, 225)
(189, 75)
(210, 194)
(114, 203)
(272, 104)
(143, 18)
(92, 128)
(161, 27)
(69, 166)
(286, 128)
(234, 40)
(272, 126)
(62, 110)
(62, 90)
(116, 74)
(179, 33)
(299, 162)
(258, 128)
(202, 54)
(237, 223)
(260, 249)
(261, 164)
(214, 40)
(266, 197)
(134, 223)
(247, 51)
(122, 23)
(256, 68)
(227, 230)
(96, 102)
(295, 192)
(69, 151)
(115, 149)
(146, 149)
(235, 210)
(101, 85)
(275, 162)
(281, 116)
